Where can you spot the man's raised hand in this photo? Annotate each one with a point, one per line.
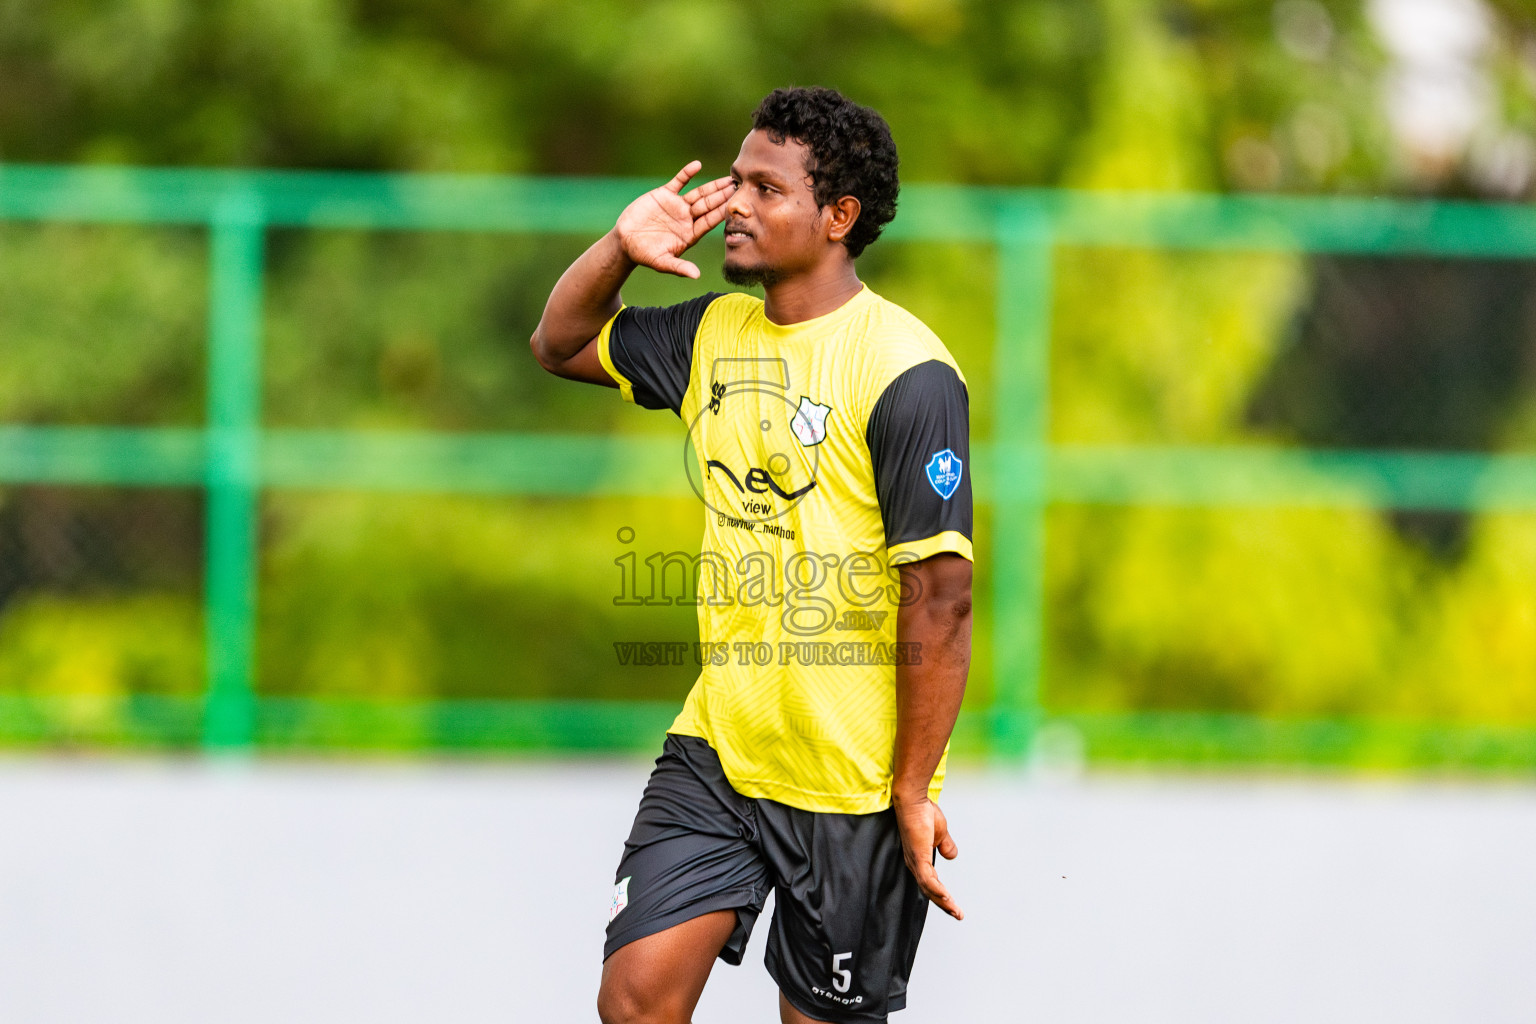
(656, 229)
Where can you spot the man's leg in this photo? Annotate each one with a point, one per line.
(688, 889)
(658, 979)
(789, 1015)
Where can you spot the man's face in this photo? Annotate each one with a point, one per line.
(773, 227)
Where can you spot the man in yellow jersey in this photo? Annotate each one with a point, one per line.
(829, 440)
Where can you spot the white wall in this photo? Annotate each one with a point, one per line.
(163, 892)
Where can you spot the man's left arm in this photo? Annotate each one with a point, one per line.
(934, 622)
(919, 443)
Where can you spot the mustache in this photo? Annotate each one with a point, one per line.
(731, 225)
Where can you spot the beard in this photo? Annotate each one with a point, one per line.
(752, 274)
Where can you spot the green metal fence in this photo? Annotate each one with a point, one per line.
(1019, 473)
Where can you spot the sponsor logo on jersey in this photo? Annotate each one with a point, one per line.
(758, 481)
(810, 422)
(620, 898)
(944, 470)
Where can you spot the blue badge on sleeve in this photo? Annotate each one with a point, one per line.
(944, 471)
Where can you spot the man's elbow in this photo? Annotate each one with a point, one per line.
(542, 353)
(954, 606)
(952, 584)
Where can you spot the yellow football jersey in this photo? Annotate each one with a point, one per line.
(825, 453)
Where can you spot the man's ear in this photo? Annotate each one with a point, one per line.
(843, 214)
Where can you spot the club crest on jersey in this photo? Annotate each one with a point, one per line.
(810, 422)
(944, 471)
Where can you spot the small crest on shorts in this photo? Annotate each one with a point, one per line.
(620, 898)
(810, 422)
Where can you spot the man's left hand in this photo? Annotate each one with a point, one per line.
(924, 829)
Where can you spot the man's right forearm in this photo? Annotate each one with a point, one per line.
(584, 299)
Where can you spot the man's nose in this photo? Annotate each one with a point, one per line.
(737, 205)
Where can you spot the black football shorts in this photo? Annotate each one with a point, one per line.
(848, 914)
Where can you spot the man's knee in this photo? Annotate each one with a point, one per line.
(615, 1006)
(619, 1002)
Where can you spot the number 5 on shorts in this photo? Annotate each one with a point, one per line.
(842, 978)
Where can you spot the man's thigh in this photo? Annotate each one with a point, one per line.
(661, 976)
(691, 853)
(848, 914)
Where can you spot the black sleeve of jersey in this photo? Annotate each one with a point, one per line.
(922, 414)
(652, 346)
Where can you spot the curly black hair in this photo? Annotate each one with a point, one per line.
(852, 153)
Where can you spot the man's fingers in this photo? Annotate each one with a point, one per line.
(942, 840)
(682, 177)
(673, 265)
(946, 903)
(717, 192)
(707, 223)
(705, 204)
(928, 881)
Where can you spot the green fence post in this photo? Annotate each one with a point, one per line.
(1021, 370)
(232, 469)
